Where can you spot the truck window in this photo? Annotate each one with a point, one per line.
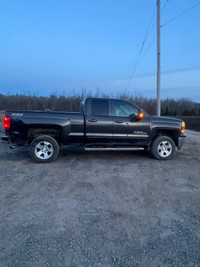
(100, 107)
(124, 109)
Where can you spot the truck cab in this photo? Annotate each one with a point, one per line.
(115, 122)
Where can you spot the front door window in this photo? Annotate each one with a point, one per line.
(123, 109)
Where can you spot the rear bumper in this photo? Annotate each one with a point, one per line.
(5, 138)
(181, 141)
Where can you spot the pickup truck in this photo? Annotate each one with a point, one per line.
(102, 123)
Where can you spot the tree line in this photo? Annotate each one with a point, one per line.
(170, 107)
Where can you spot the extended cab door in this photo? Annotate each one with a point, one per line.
(98, 121)
(128, 129)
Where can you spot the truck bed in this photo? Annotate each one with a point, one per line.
(66, 125)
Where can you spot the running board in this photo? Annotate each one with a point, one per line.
(113, 148)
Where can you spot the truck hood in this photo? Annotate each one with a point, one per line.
(165, 119)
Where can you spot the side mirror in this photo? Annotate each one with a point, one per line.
(137, 117)
(140, 114)
(133, 117)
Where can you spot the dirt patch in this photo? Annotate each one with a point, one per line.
(100, 209)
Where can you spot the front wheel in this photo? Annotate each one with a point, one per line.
(163, 147)
(44, 149)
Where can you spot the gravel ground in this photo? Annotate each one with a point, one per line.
(100, 209)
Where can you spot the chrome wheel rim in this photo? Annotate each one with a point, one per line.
(44, 150)
(164, 149)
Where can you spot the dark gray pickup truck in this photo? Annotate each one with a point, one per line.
(102, 123)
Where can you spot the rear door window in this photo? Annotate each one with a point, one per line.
(100, 107)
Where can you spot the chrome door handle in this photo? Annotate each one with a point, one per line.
(92, 120)
(119, 121)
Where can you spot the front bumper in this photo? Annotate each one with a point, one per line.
(181, 142)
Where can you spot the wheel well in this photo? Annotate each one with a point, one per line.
(35, 132)
(171, 133)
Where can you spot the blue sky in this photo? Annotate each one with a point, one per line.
(64, 46)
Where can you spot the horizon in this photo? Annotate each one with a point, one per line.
(96, 94)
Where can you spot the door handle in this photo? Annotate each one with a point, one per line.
(92, 120)
(119, 121)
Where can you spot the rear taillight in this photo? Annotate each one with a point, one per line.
(6, 123)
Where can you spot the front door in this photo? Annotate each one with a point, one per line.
(128, 130)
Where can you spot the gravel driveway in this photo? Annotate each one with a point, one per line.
(100, 209)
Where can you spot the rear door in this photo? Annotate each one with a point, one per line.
(99, 122)
(127, 130)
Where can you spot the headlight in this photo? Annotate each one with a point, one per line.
(183, 127)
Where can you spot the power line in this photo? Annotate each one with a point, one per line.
(135, 66)
(154, 25)
(179, 15)
(164, 6)
(141, 49)
(154, 37)
(148, 33)
(149, 46)
(150, 24)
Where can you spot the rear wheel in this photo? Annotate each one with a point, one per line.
(44, 149)
(163, 147)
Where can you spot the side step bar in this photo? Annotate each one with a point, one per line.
(113, 148)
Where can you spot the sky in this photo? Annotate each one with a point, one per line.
(64, 46)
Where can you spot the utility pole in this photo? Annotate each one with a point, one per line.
(158, 59)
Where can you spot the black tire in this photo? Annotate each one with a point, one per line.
(44, 149)
(163, 147)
